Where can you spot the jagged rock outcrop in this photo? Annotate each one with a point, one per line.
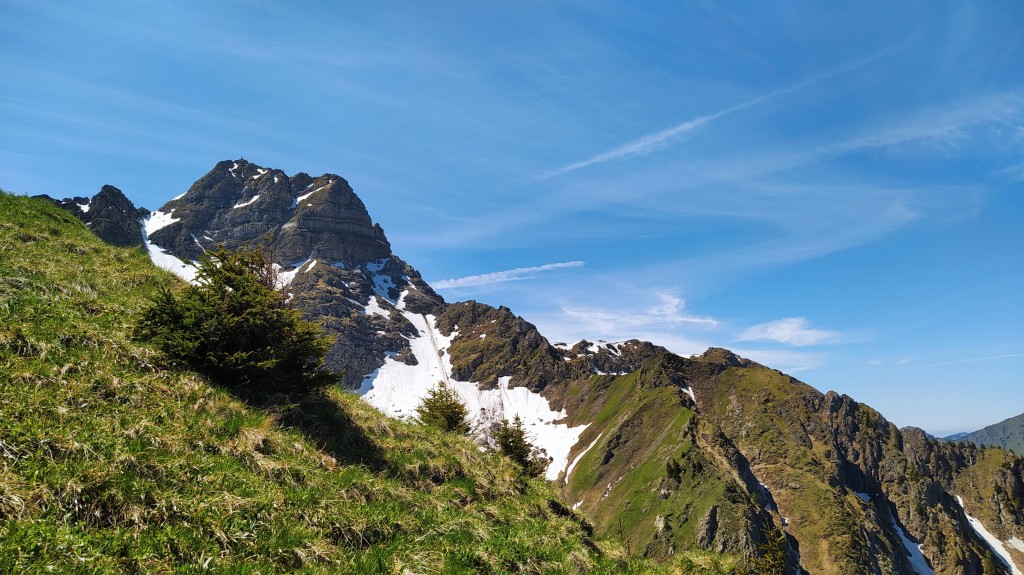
(302, 218)
(110, 215)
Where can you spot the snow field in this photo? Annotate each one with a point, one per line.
(396, 389)
(992, 540)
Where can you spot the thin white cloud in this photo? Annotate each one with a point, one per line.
(657, 140)
(786, 361)
(792, 330)
(502, 276)
(669, 312)
(972, 360)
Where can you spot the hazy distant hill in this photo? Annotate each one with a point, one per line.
(1008, 433)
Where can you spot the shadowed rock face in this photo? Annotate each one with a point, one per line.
(239, 203)
(110, 215)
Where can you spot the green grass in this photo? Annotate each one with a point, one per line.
(645, 509)
(112, 461)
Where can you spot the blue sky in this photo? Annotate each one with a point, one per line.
(837, 192)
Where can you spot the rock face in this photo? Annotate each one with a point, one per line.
(300, 217)
(110, 215)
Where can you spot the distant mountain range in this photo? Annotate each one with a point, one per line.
(665, 453)
(1008, 434)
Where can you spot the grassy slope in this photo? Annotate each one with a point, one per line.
(110, 462)
(1008, 433)
(622, 482)
(816, 455)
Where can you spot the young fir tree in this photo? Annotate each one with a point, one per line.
(234, 327)
(511, 440)
(443, 408)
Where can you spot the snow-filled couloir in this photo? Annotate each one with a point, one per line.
(397, 388)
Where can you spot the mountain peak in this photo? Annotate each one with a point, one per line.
(723, 356)
(109, 214)
(239, 203)
(334, 263)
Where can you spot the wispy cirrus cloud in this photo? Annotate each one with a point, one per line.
(972, 360)
(668, 312)
(792, 330)
(658, 140)
(502, 276)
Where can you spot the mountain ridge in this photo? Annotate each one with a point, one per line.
(1008, 434)
(665, 452)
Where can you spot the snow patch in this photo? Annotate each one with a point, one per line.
(259, 172)
(382, 284)
(568, 470)
(286, 277)
(917, 560)
(85, 207)
(991, 539)
(373, 308)
(159, 256)
(246, 203)
(299, 199)
(1016, 543)
(689, 391)
(158, 220)
(863, 496)
(576, 505)
(396, 389)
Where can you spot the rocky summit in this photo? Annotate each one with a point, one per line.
(332, 260)
(110, 215)
(661, 452)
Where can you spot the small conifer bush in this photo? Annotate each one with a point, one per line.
(234, 327)
(511, 440)
(443, 408)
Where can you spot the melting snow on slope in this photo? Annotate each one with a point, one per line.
(373, 308)
(158, 220)
(689, 391)
(396, 389)
(84, 207)
(160, 258)
(299, 199)
(245, 203)
(382, 284)
(1016, 543)
(992, 540)
(568, 470)
(917, 560)
(285, 278)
